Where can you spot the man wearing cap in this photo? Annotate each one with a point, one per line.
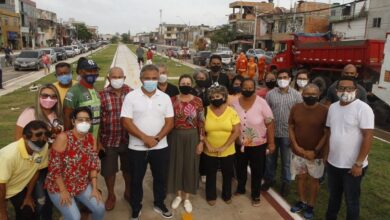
(84, 94)
(20, 163)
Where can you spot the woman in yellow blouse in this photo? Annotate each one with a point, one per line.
(222, 127)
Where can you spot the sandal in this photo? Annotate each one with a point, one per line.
(110, 203)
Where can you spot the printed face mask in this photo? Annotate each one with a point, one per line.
(347, 96)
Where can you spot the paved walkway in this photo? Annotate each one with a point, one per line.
(240, 208)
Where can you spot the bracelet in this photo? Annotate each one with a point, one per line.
(93, 177)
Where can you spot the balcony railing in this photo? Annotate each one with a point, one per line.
(239, 16)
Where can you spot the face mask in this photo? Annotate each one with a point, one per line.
(310, 100)
(162, 78)
(347, 96)
(201, 83)
(215, 69)
(90, 79)
(185, 90)
(83, 127)
(65, 79)
(283, 83)
(117, 83)
(47, 103)
(247, 93)
(236, 89)
(150, 85)
(217, 102)
(302, 82)
(36, 146)
(270, 84)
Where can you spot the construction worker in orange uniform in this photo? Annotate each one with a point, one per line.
(241, 64)
(252, 67)
(261, 68)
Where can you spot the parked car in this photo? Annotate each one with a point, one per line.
(256, 53)
(86, 47)
(94, 46)
(227, 60)
(29, 59)
(52, 54)
(224, 50)
(60, 52)
(70, 51)
(76, 49)
(200, 58)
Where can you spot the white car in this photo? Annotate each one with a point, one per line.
(224, 50)
(70, 51)
(76, 49)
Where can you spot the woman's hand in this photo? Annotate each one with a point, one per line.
(65, 198)
(96, 194)
(199, 148)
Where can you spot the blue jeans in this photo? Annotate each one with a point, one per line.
(44, 206)
(341, 181)
(282, 145)
(72, 212)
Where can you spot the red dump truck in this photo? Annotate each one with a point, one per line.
(325, 59)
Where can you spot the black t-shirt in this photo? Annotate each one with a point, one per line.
(222, 79)
(171, 90)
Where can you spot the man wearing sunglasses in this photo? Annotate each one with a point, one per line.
(20, 164)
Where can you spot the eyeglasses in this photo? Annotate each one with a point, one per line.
(39, 134)
(346, 88)
(283, 77)
(45, 96)
(83, 119)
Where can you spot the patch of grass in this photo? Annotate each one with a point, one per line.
(175, 69)
(12, 104)
(375, 195)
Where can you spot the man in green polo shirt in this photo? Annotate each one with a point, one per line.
(84, 94)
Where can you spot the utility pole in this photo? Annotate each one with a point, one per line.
(254, 30)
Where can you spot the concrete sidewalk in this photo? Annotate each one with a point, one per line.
(239, 209)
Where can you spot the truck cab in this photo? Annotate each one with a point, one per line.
(284, 58)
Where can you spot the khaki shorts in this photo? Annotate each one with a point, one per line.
(300, 165)
(110, 161)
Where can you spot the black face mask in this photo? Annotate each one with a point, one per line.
(185, 90)
(215, 69)
(310, 100)
(270, 84)
(236, 89)
(247, 93)
(217, 102)
(201, 83)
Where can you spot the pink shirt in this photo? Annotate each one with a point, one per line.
(253, 129)
(28, 115)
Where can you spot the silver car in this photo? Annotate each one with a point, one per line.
(29, 59)
(70, 51)
(52, 54)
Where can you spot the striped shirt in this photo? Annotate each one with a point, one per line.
(281, 104)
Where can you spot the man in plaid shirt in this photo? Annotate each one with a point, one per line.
(113, 138)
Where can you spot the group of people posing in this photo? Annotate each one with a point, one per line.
(185, 134)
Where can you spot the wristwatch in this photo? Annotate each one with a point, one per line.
(358, 164)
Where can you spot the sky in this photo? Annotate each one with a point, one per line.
(121, 16)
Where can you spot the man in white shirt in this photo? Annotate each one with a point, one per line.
(147, 114)
(351, 124)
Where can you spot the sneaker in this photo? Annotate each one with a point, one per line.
(165, 213)
(211, 202)
(308, 213)
(176, 202)
(266, 185)
(135, 216)
(203, 179)
(187, 206)
(256, 202)
(285, 189)
(298, 207)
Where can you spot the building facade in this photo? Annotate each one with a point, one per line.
(378, 23)
(47, 28)
(173, 34)
(9, 26)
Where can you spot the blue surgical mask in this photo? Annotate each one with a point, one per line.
(150, 85)
(90, 79)
(65, 79)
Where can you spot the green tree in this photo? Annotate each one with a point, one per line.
(114, 39)
(223, 35)
(125, 38)
(82, 32)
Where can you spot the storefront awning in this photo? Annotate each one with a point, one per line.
(240, 42)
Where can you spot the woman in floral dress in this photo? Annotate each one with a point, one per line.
(73, 168)
(186, 144)
(257, 135)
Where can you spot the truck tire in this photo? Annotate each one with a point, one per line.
(323, 82)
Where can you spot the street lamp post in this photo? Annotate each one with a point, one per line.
(254, 30)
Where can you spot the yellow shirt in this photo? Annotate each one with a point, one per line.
(62, 91)
(218, 130)
(18, 167)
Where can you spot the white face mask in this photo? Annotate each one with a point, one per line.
(163, 78)
(283, 83)
(83, 127)
(302, 82)
(347, 96)
(117, 83)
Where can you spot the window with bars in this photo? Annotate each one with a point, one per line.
(376, 22)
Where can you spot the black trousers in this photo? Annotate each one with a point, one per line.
(22, 214)
(1, 78)
(159, 162)
(255, 157)
(211, 165)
